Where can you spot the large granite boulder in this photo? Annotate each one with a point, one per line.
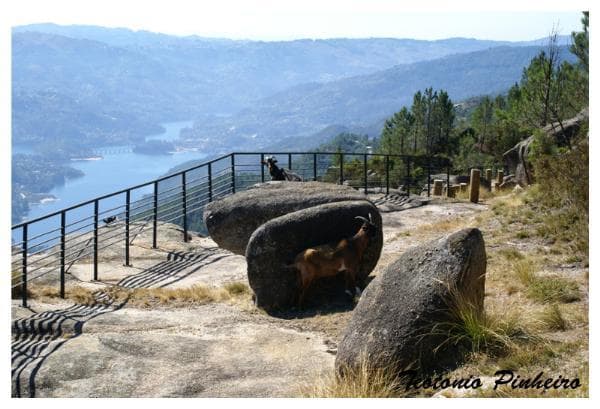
(517, 161)
(395, 320)
(231, 220)
(517, 158)
(274, 246)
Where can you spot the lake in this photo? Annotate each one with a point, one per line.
(112, 173)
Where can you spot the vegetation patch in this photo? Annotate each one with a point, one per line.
(552, 319)
(364, 381)
(553, 289)
(150, 297)
(480, 331)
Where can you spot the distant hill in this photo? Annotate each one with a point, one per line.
(364, 100)
(53, 122)
(170, 78)
(92, 85)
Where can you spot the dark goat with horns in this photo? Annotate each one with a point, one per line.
(278, 173)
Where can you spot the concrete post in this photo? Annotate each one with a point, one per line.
(453, 190)
(500, 177)
(488, 175)
(474, 192)
(438, 185)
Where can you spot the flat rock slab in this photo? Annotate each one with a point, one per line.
(209, 351)
(274, 246)
(175, 264)
(232, 220)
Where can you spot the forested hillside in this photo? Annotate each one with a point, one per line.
(364, 100)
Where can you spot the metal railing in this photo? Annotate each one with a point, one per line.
(55, 242)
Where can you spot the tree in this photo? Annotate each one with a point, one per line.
(396, 132)
(428, 126)
(429, 99)
(443, 124)
(581, 42)
(418, 111)
(482, 121)
(537, 84)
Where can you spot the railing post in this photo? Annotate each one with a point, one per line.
(408, 176)
(289, 161)
(341, 168)
(233, 173)
(155, 216)
(428, 176)
(314, 166)
(24, 267)
(127, 208)
(184, 202)
(210, 192)
(262, 167)
(96, 209)
(387, 174)
(365, 173)
(447, 179)
(63, 218)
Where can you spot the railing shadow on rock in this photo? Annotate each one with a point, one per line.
(51, 244)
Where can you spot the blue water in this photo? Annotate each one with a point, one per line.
(112, 173)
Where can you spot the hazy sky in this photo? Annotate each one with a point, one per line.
(289, 19)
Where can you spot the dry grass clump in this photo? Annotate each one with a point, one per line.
(510, 253)
(148, 297)
(552, 319)
(484, 194)
(194, 295)
(78, 294)
(546, 289)
(480, 331)
(524, 269)
(364, 381)
(16, 288)
(442, 226)
(553, 289)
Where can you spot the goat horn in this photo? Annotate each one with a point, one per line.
(362, 218)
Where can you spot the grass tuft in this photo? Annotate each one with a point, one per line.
(148, 297)
(552, 319)
(237, 288)
(365, 381)
(480, 331)
(553, 289)
(525, 271)
(545, 289)
(510, 253)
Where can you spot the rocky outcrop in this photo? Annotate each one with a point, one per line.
(517, 158)
(395, 320)
(232, 220)
(274, 246)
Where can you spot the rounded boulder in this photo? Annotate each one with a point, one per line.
(274, 246)
(232, 220)
(405, 315)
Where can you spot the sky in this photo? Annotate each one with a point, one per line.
(285, 20)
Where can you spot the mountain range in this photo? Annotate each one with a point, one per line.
(243, 94)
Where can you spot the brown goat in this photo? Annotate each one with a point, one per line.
(329, 259)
